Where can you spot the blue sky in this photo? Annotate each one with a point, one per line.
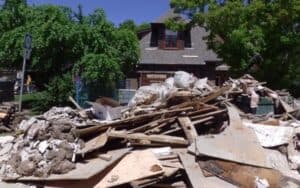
(117, 10)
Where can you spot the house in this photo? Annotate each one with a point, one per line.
(164, 52)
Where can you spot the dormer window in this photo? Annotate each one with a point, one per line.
(171, 39)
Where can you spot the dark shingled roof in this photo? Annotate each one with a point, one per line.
(197, 55)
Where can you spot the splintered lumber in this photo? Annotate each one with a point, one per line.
(215, 94)
(236, 143)
(201, 111)
(188, 129)
(94, 144)
(203, 120)
(208, 114)
(129, 121)
(169, 140)
(3, 115)
(134, 166)
(152, 124)
(242, 175)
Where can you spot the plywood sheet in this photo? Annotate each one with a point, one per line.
(196, 176)
(134, 166)
(237, 143)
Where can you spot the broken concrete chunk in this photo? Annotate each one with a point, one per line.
(26, 168)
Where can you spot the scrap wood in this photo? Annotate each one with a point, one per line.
(3, 115)
(197, 122)
(153, 124)
(287, 108)
(242, 175)
(94, 144)
(168, 140)
(214, 113)
(83, 171)
(152, 181)
(142, 164)
(231, 143)
(213, 95)
(71, 99)
(188, 128)
(129, 121)
(195, 174)
(202, 111)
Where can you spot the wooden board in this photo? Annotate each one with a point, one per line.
(188, 128)
(83, 171)
(242, 175)
(196, 176)
(169, 140)
(237, 143)
(134, 166)
(94, 144)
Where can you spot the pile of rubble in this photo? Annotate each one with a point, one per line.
(7, 116)
(46, 145)
(184, 132)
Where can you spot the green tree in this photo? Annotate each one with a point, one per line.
(267, 28)
(65, 41)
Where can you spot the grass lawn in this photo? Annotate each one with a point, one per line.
(28, 102)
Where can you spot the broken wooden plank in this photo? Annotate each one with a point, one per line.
(142, 164)
(146, 182)
(195, 174)
(188, 129)
(236, 143)
(169, 140)
(197, 122)
(208, 114)
(215, 94)
(94, 144)
(98, 127)
(242, 175)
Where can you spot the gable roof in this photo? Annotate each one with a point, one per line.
(170, 14)
(199, 54)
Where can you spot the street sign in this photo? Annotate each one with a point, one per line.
(27, 51)
(27, 46)
(27, 42)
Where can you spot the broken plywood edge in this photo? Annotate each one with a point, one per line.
(195, 174)
(242, 175)
(93, 144)
(146, 182)
(142, 164)
(82, 171)
(236, 143)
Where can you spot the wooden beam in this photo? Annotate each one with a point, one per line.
(169, 140)
(188, 129)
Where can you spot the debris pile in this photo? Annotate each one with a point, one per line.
(7, 116)
(46, 145)
(184, 132)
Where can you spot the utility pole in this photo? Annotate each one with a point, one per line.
(26, 56)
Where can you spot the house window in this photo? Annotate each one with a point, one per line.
(171, 39)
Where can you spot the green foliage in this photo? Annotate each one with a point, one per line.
(130, 25)
(56, 93)
(98, 68)
(267, 28)
(64, 40)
